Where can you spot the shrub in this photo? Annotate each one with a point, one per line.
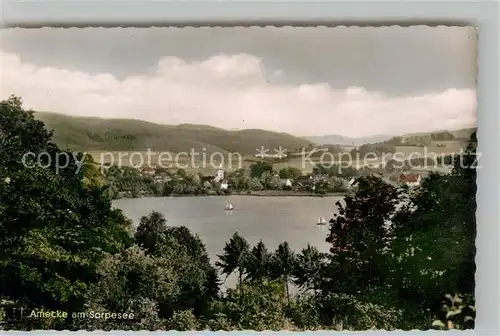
(304, 313)
(458, 312)
(355, 314)
(182, 320)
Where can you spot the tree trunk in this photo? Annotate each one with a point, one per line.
(240, 283)
(287, 291)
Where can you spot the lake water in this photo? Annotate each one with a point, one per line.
(272, 219)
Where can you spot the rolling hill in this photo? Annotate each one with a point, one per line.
(410, 138)
(333, 139)
(428, 137)
(91, 133)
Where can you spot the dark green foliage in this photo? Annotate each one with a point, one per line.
(258, 263)
(129, 182)
(283, 265)
(435, 236)
(55, 229)
(305, 312)
(458, 312)
(345, 311)
(359, 236)
(20, 133)
(290, 173)
(181, 173)
(151, 230)
(308, 265)
(234, 256)
(259, 168)
(182, 320)
(252, 307)
(199, 281)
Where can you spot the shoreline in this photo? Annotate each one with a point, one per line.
(276, 193)
(261, 193)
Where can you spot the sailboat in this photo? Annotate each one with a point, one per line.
(321, 221)
(228, 206)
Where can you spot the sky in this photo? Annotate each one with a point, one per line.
(350, 81)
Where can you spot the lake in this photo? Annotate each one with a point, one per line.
(272, 219)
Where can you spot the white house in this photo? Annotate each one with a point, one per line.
(286, 183)
(353, 183)
(219, 174)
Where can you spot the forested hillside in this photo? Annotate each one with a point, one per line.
(85, 133)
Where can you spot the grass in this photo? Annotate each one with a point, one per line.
(197, 164)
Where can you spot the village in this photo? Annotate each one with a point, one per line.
(262, 178)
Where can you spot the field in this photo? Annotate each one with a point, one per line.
(439, 148)
(204, 164)
(207, 164)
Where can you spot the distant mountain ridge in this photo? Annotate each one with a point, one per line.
(333, 139)
(93, 133)
(422, 137)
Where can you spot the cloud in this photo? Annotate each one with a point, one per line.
(233, 91)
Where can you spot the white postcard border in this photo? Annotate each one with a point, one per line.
(482, 14)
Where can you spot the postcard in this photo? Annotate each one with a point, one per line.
(219, 178)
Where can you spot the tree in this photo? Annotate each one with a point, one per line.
(274, 182)
(255, 184)
(308, 266)
(152, 228)
(348, 172)
(321, 184)
(458, 312)
(282, 265)
(196, 180)
(133, 281)
(290, 173)
(240, 178)
(265, 179)
(338, 184)
(181, 173)
(234, 256)
(20, 133)
(54, 228)
(90, 173)
(434, 245)
(167, 189)
(255, 306)
(258, 262)
(183, 320)
(199, 280)
(320, 169)
(465, 170)
(359, 235)
(191, 242)
(257, 169)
